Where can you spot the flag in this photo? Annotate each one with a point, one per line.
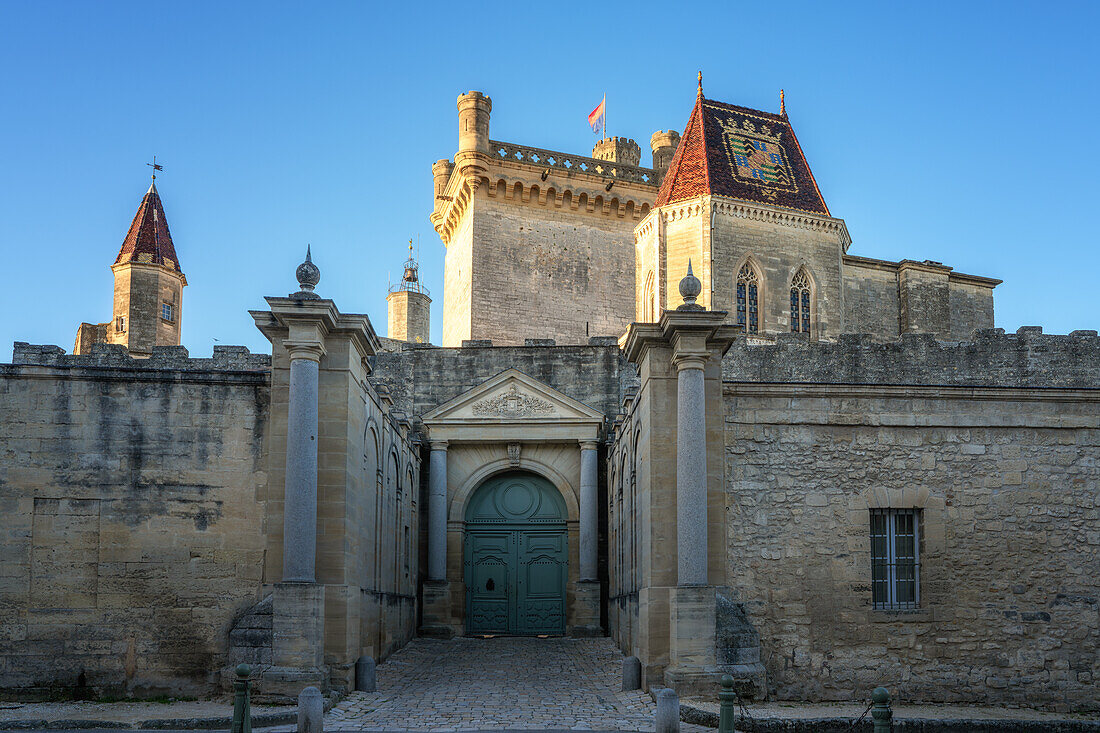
(596, 117)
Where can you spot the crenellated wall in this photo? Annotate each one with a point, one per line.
(133, 531)
(996, 445)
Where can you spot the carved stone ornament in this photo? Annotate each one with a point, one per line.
(513, 454)
(512, 403)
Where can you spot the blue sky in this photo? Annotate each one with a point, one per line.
(957, 132)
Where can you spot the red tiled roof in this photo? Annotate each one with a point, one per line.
(149, 239)
(741, 153)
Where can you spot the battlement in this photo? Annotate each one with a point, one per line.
(116, 356)
(1027, 359)
(572, 163)
(618, 150)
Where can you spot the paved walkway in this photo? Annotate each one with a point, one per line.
(510, 682)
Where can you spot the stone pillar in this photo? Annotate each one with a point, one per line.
(589, 549)
(300, 504)
(437, 512)
(691, 471)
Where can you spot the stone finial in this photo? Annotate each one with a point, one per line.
(308, 275)
(690, 287)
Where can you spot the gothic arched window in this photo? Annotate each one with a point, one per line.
(800, 302)
(649, 307)
(748, 304)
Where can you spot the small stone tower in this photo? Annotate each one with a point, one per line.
(409, 305)
(618, 150)
(148, 302)
(664, 144)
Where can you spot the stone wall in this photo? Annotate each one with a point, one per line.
(871, 298)
(420, 379)
(548, 273)
(995, 443)
(133, 529)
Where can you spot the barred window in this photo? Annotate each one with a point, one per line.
(166, 311)
(800, 302)
(748, 311)
(120, 324)
(895, 558)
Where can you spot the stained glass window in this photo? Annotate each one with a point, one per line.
(748, 310)
(800, 303)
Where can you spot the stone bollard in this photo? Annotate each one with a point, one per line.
(365, 680)
(242, 708)
(668, 711)
(727, 706)
(632, 673)
(311, 711)
(881, 711)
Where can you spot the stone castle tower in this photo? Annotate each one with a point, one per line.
(540, 243)
(409, 305)
(148, 297)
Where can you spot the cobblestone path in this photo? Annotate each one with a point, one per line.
(501, 683)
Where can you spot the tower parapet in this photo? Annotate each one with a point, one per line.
(664, 144)
(409, 306)
(618, 150)
(473, 122)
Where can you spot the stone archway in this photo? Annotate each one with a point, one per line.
(515, 557)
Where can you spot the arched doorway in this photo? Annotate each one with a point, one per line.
(516, 556)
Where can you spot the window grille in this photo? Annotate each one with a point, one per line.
(748, 311)
(166, 311)
(800, 303)
(120, 324)
(895, 559)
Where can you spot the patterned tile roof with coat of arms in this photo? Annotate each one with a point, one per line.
(742, 153)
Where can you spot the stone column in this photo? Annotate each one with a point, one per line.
(691, 471)
(589, 512)
(437, 511)
(300, 504)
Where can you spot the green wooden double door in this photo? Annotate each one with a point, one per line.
(516, 557)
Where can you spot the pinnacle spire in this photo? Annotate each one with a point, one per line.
(782, 104)
(700, 93)
(148, 240)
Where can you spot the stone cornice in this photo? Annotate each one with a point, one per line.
(871, 263)
(906, 391)
(738, 208)
(582, 190)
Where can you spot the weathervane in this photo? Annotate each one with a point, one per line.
(155, 167)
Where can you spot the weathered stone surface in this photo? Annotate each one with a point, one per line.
(132, 532)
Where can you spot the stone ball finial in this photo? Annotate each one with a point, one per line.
(308, 275)
(690, 287)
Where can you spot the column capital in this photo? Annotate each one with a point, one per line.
(438, 445)
(589, 445)
(689, 360)
(311, 350)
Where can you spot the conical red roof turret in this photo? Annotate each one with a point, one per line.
(149, 240)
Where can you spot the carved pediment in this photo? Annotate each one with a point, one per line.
(512, 396)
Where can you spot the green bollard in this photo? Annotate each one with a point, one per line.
(880, 710)
(242, 712)
(727, 705)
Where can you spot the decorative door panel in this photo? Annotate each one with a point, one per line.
(543, 562)
(490, 581)
(516, 557)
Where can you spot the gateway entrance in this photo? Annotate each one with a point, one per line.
(516, 557)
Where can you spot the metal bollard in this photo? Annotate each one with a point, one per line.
(311, 711)
(632, 673)
(668, 712)
(242, 709)
(727, 706)
(365, 680)
(880, 710)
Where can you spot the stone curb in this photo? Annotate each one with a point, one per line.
(689, 714)
(224, 722)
